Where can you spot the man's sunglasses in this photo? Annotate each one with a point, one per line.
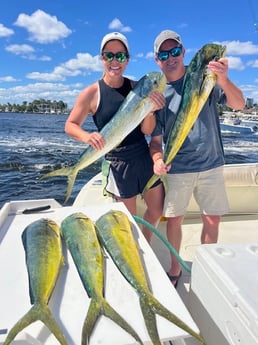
(120, 56)
(164, 54)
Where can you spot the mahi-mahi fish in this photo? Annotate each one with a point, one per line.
(197, 86)
(81, 239)
(43, 251)
(132, 111)
(115, 234)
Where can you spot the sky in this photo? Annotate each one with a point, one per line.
(50, 49)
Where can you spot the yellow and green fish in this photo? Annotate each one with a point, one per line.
(132, 111)
(43, 250)
(197, 86)
(115, 234)
(81, 239)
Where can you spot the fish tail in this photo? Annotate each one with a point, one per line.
(58, 172)
(158, 308)
(71, 180)
(150, 320)
(109, 312)
(30, 317)
(93, 314)
(101, 307)
(154, 178)
(36, 313)
(48, 319)
(71, 174)
(164, 180)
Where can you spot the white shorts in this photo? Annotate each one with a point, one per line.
(207, 187)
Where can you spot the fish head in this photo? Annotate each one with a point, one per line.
(152, 81)
(212, 51)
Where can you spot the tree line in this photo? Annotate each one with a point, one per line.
(40, 106)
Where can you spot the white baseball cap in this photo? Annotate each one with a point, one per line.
(114, 36)
(166, 35)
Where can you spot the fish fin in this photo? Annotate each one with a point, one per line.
(37, 312)
(158, 308)
(149, 319)
(109, 312)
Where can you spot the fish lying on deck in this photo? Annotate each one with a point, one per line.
(115, 234)
(43, 250)
(130, 114)
(198, 84)
(80, 236)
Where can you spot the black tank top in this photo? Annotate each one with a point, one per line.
(110, 101)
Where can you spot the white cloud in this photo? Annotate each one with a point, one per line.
(150, 55)
(42, 27)
(4, 32)
(20, 49)
(51, 91)
(83, 63)
(116, 24)
(253, 63)
(7, 79)
(26, 52)
(235, 63)
(240, 48)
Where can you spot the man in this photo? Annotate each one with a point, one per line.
(198, 166)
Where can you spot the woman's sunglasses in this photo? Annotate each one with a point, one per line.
(120, 56)
(164, 55)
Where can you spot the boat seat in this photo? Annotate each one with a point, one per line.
(241, 175)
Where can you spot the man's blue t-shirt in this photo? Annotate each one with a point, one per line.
(203, 149)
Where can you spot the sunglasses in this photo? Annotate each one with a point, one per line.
(174, 52)
(120, 56)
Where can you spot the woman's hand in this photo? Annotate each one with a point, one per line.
(95, 140)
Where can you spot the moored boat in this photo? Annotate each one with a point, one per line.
(238, 125)
(237, 128)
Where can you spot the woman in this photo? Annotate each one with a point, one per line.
(129, 165)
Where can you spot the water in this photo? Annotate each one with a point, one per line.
(31, 145)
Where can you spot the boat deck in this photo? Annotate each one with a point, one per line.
(238, 227)
(234, 229)
(241, 228)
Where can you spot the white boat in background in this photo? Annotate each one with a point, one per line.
(238, 126)
(217, 294)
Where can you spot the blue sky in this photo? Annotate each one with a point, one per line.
(50, 49)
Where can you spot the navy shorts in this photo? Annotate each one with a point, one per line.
(128, 170)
